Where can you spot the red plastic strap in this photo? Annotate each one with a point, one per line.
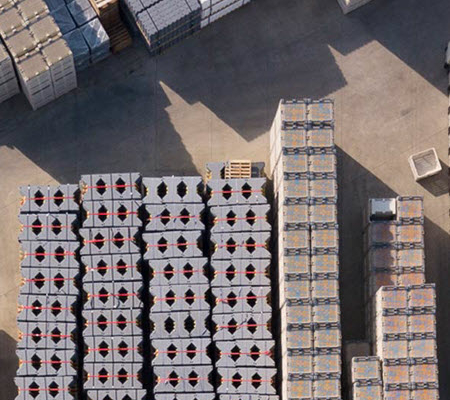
(236, 191)
(173, 217)
(239, 219)
(226, 300)
(117, 213)
(49, 198)
(109, 186)
(113, 376)
(247, 380)
(182, 271)
(118, 349)
(180, 351)
(113, 294)
(44, 362)
(45, 308)
(109, 240)
(50, 254)
(239, 272)
(112, 267)
(47, 226)
(179, 298)
(241, 245)
(110, 322)
(45, 389)
(252, 353)
(172, 244)
(48, 279)
(45, 335)
(240, 326)
(181, 379)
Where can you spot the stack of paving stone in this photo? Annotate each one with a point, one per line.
(366, 378)
(242, 309)
(43, 60)
(212, 10)
(303, 164)
(112, 286)
(401, 307)
(180, 339)
(48, 296)
(82, 30)
(8, 80)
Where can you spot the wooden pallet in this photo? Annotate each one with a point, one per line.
(119, 37)
(238, 169)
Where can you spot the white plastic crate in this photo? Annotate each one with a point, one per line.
(425, 164)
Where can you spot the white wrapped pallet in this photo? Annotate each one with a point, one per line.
(35, 79)
(97, 40)
(8, 80)
(82, 11)
(63, 19)
(59, 58)
(79, 47)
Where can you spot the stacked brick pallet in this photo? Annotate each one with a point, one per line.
(401, 307)
(48, 296)
(180, 337)
(242, 310)
(112, 287)
(212, 10)
(82, 31)
(366, 378)
(303, 164)
(43, 61)
(8, 80)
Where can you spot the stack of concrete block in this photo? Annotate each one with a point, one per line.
(112, 285)
(82, 30)
(367, 383)
(212, 10)
(48, 297)
(8, 80)
(394, 248)
(405, 340)
(180, 341)
(303, 165)
(43, 60)
(241, 290)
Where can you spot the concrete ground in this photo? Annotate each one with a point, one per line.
(213, 97)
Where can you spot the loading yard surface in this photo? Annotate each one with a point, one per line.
(213, 98)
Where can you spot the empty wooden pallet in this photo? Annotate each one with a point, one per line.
(238, 169)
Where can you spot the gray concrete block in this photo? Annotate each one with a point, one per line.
(172, 189)
(46, 363)
(44, 199)
(236, 191)
(181, 352)
(46, 227)
(49, 281)
(173, 245)
(112, 213)
(240, 218)
(49, 254)
(45, 308)
(247, 380)
(240, 273)
(115, 267)
(116, 349)
(189, 298)
(178, 271)
(193, 379)
(59, 388)
(117, 394)
(248, 397)
(113, 295)
(184, 396)
(243, 326)
(126, 186)
(179, 325)
(244, 299)
(233, 245)
(246, 353)
(112, 322)
(109, 241)
(108, 376)
(174, 217)
(46, 335)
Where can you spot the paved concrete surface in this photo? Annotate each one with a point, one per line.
(213, 97)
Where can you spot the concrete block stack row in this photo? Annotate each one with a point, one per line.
(241, 292)
(112, 286)
(212, 10)
(43, 61)
(366, 378)
(180, 337)
(82, 30)
(303, 165)
(9, 86)
(49, 297)
(401, 307)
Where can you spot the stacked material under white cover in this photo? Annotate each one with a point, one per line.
(8, 80)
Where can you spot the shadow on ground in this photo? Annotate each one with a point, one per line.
(9, 364)
(355, 191)
(437, 185)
